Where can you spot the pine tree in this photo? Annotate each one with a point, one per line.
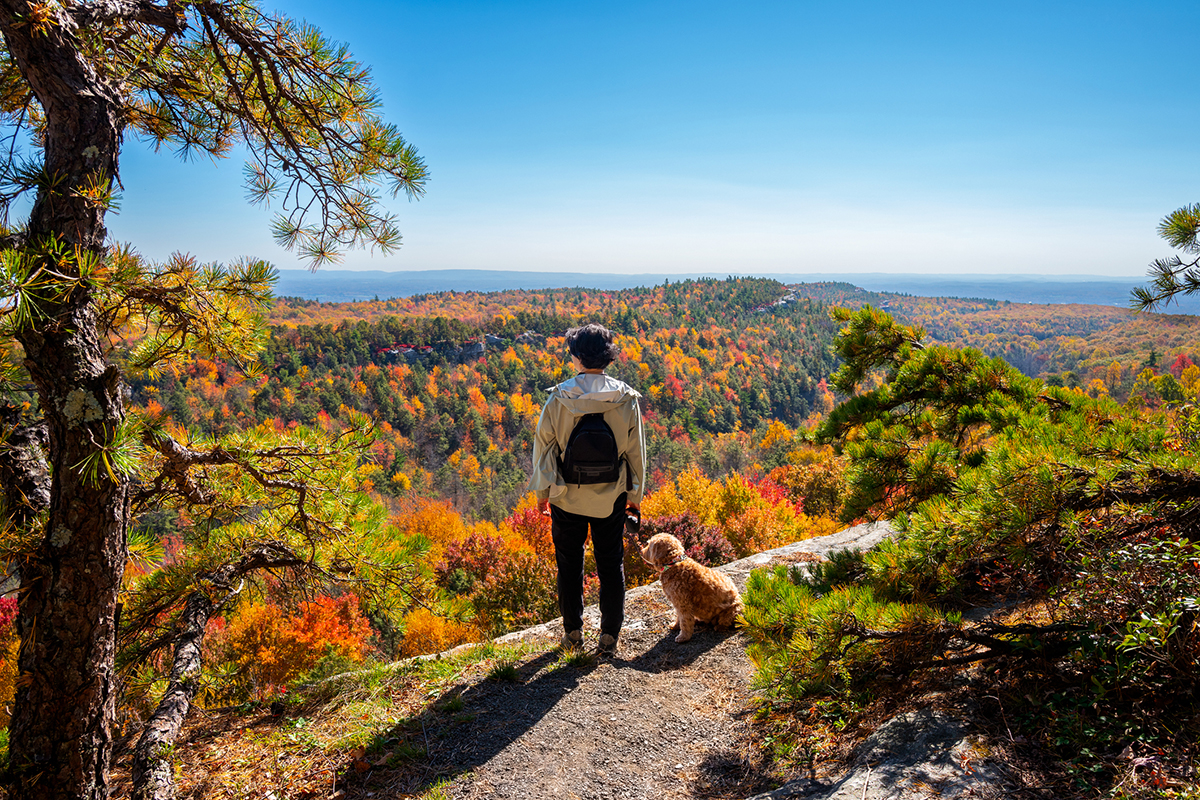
(1173, 276)
(76, 79)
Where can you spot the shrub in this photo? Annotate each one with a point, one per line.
(520, 592)
(470, 561)
(704, 543)
(532, 527)
(798, 636)
(1141, 597)
(509, 588)
(426, 633)
(10, 646)
(267, 649)
(760, 526)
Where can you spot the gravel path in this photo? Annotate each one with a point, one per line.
(659, 720)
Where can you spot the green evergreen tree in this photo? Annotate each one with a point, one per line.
(79, 79)
(1081, 507)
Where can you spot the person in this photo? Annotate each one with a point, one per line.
(574, 508)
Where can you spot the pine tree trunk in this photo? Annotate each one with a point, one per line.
(152, 771)
(61, 731)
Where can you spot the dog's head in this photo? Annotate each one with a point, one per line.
(662, 549)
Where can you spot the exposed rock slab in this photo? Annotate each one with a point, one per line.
(919, 754)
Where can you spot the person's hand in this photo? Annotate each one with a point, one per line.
(544, 507)
(634, 507)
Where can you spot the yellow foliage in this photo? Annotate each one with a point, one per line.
(662, 503)
(777, 434)
(699, 494)
(810, 454)
(425, 633)
(511, 359)
(690, 491)
(468, 470)
(1112, 377)
(8, 677)
(1190, 378)
(436, 520)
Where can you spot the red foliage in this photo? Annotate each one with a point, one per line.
(534, 527)
(8, 613)
(1181, 363)
(769, 489)
(478, 556)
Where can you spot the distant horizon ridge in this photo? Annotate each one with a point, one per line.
(832, 276)
(343, 286)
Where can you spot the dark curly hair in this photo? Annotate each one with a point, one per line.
(593, 345)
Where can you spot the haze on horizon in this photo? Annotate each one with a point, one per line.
(772, 137)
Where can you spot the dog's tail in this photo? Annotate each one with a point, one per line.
(727, 618)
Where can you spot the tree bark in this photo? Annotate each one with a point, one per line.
(61, 730)
(152, 771)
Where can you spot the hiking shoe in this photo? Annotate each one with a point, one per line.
(608, 645)
(572, 640)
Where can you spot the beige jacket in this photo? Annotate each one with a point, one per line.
(570, 400)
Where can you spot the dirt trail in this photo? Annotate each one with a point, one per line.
(659, 720)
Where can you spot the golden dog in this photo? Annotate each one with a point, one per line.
(696, 592)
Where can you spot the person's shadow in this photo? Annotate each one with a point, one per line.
(469, 724)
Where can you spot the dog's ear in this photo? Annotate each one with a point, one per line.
(648, 553)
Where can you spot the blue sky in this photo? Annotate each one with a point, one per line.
(756, 137)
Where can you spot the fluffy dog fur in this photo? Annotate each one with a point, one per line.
(696, 592)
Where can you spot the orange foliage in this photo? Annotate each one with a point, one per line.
(10, 646)
(271, 649)
(436, 520)
(426, 633)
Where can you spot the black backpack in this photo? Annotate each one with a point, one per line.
(591, 455)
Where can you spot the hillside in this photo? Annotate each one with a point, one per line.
(422, 411)
(454, 381)
(1071, 341)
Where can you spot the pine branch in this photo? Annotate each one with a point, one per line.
(98, 13)
(1020, 641)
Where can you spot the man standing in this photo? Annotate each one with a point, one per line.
(589, 466)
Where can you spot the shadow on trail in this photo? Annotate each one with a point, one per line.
(667, 654)
(463, 728)
(469, 724)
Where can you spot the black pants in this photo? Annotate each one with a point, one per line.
(569, 532)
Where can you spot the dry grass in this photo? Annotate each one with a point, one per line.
(326, 733)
